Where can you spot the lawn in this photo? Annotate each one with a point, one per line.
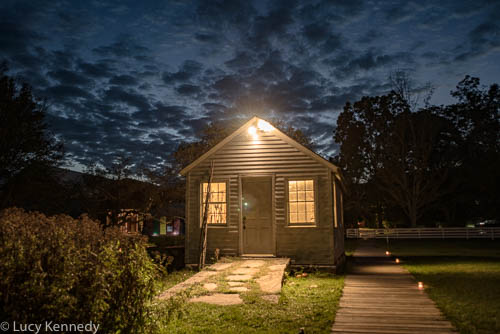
(308, 303)
(461, 276)
(171, 279)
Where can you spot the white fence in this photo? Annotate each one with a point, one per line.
(425, 233)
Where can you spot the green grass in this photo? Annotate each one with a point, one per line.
(173, 278)
(301, 305)
(461, 276)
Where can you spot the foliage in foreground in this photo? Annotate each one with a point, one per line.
(72, 271)
(309, 303)
(461, 276)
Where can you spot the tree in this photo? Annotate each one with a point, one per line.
(108, 191)
(25, 142)
(385, 147)
(476, 116)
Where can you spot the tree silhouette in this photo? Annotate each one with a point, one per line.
(438, 160)
(25, 142)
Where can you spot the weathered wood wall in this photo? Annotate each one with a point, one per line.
(270, 155)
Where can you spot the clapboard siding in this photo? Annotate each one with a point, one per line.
(270, 155)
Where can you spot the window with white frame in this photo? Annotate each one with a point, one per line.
(301, 208)
(217, 205)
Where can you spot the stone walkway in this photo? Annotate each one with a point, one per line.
(381, 296)
(223, 282)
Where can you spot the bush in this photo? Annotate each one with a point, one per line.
(69, 270)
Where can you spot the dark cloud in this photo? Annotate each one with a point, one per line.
(69, 78)
(188, 90)
(399, 13)
(188, 70)
(137, 79)
(316, 32)
(99, 70)
(131, 98)
(370, 36)
(123, 80)
(64, 92)
(121, 49)
(207, 38)
(481, 40)
(371, 61)
(242, 60)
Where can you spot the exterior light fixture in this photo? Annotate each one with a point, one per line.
(253, 132)
(420, 285)
(387, 253)
(397, 260)
(264, 126)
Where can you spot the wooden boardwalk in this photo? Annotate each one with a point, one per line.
(381, 297)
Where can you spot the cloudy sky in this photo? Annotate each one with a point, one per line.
(138, 77)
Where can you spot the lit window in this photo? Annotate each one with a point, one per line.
(301, 201)
(216, 203)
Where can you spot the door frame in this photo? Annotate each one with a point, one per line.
(241, 250)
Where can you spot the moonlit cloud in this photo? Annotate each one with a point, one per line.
(137, 78)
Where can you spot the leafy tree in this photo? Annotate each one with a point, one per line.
(26, 144)
(384, 147)
(476, 116)
(437, 160)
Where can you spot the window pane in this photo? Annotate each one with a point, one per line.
(301, 201)
(309, 196)
(301, 195)
(217, 202)
(302, 207)
(310, 207)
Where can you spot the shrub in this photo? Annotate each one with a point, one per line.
(69, 270)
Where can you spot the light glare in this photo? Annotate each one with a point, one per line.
(252, 130)
(264, 126)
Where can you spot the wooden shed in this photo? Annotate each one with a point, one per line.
(270, 197)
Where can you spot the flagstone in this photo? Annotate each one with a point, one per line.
(239, 278)
(210, 286)
(219, 299)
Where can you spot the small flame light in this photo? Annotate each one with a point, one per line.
(387, 253)
(420, 285)
(397, 260)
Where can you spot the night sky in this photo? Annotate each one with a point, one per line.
(137, 77)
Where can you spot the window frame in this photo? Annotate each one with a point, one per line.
(200, 193)
(287, 201)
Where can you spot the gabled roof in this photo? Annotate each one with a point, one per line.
(278, 133)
